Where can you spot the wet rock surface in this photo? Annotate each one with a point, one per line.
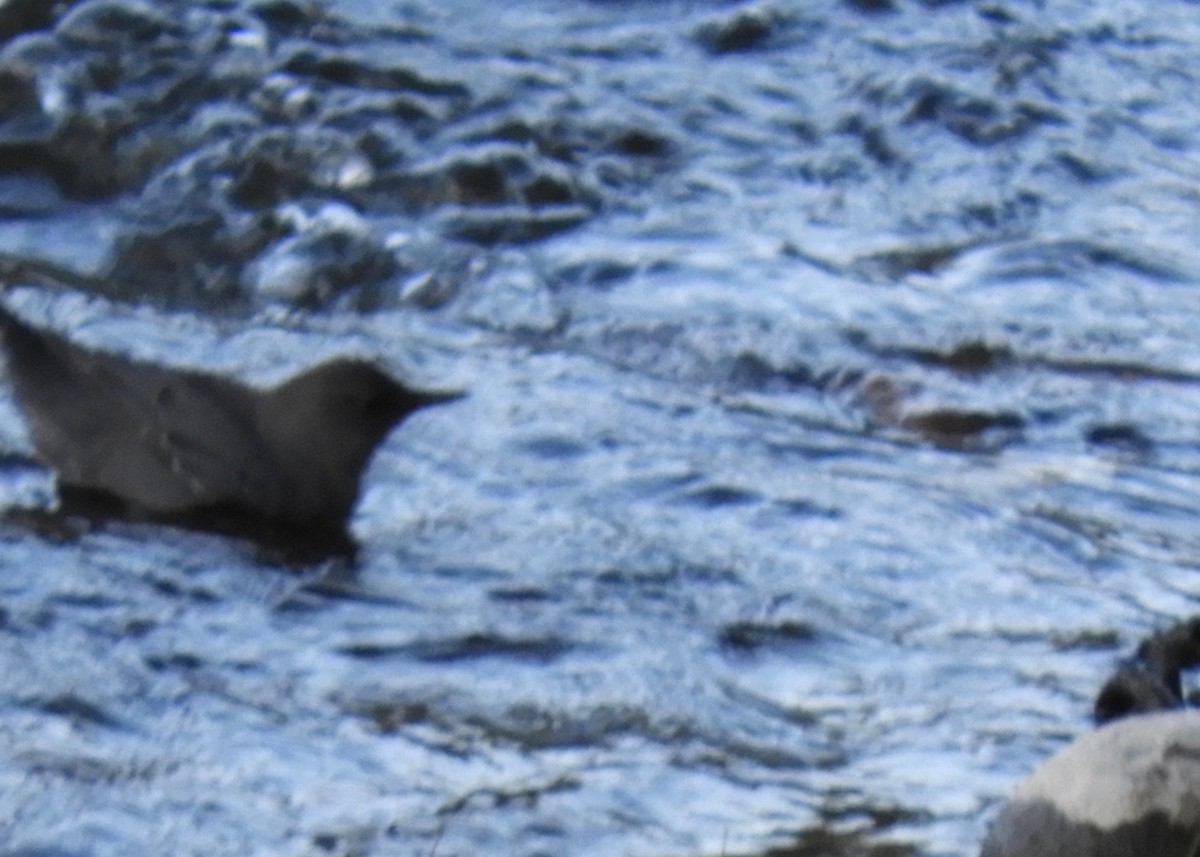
(833, 416)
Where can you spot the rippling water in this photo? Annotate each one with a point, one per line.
(832, 425)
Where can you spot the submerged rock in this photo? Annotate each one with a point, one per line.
(1151, 679)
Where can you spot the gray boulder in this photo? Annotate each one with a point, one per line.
(1128, 789)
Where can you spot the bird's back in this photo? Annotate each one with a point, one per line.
(162, 440)
(130, 438)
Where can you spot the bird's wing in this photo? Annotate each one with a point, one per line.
(196, 433)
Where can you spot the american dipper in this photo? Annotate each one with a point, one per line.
(130, 439)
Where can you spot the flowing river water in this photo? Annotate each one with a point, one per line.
(832, 428)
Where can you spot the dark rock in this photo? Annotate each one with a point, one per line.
(977, 120)
(316, 266)
(640, 143)
(287, 17)
(746, 31)
(749, 636)
(1124, 436)
(752, 371)
(23, 16)
(955, 428)
(101, 24)
(871, 7)
(1133, 689)
(512, 224)
(341, 70)
(969, 358)
(186, 258)
(277, 166)
(1151, 680)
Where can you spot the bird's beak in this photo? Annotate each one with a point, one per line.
(441, 397)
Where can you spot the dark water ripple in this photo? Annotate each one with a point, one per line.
(832, 424)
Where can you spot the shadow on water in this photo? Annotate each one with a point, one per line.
(860, 831)
(827, 843)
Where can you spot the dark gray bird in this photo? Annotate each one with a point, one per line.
(130, 439)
